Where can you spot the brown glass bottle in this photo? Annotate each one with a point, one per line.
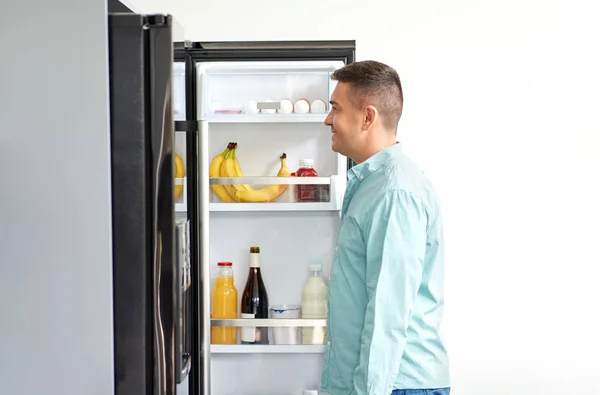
(255, 302)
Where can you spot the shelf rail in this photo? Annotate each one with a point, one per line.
(270, 322)
(271, 180)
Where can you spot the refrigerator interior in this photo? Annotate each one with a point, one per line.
(291, 235)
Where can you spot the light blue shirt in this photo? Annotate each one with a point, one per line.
(386, 291)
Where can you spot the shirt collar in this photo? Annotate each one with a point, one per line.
(371, 165)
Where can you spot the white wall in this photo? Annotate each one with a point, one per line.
(55, 239)
(501, 104)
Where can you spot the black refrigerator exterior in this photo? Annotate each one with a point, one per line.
(191, 53)
(150, 272)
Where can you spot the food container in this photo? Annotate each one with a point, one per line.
(285, 335)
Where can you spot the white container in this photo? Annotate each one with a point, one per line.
(285, 335)
(314, 305)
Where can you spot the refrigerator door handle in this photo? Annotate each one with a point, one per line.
(187, 364)
(204, 256)
(182, 356)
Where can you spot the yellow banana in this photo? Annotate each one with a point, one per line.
(215, 169)
(238, 170)
(228, 170)
(270, 193)
(179, 173)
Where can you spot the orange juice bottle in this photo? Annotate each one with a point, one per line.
(224, 300)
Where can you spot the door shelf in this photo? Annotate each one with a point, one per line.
(265, 118)
(267, 349)
(332, 205)
(272, 180)
(269, 322)
(233, 207)
(326, 190)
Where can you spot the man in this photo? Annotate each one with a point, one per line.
(386, 283)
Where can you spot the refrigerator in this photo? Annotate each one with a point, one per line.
(151, 247)
(241, 92)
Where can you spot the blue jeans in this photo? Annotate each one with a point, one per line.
(433, 391)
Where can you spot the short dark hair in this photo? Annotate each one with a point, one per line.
(377, 84)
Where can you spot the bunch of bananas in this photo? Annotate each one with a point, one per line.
(226, 165)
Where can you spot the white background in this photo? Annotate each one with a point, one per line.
(501, 110)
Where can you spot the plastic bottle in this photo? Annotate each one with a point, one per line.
(306, 193)
(314, 305)
(224, 299)
(310, 193)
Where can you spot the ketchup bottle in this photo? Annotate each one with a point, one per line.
(306, 193)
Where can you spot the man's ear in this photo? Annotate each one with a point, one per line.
(370, 116)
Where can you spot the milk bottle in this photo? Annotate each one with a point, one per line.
(314, 305)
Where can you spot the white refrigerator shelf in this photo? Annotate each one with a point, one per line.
(264, 348)
(272, 180)
(269, 322)
(265, 118)
(267, 349)
(232, 207)
(333, 205)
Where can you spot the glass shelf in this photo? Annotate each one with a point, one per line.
(267, 349)
(265, 118)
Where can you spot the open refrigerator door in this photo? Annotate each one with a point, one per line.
(271, 189)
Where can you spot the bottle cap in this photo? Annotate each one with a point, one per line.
(306, 163)
(254, 250)
(224, 263)
(315, 267)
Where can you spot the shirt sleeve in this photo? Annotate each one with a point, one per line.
(395, 237)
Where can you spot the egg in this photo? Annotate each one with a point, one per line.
(286, 106)
(318, 106)
(302, 106)
(251, 107)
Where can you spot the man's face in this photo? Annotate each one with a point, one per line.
(345, 121)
